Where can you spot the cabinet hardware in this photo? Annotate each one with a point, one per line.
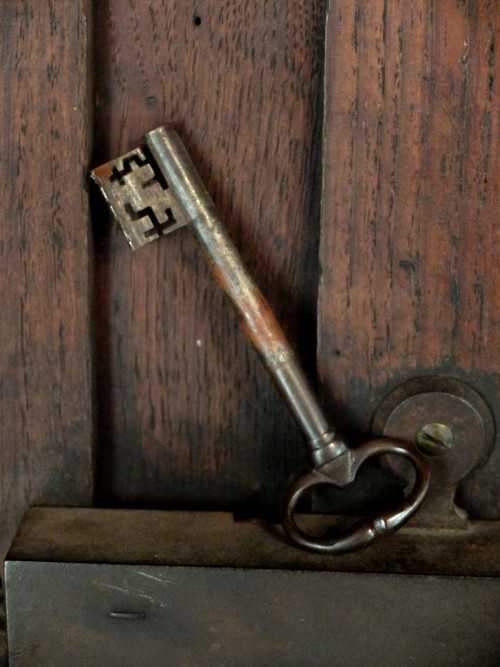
(452, 425)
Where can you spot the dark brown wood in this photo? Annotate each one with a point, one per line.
(45, 389)
(410, 244)
(187, 413)
(409, 255)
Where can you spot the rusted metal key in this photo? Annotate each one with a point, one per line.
(154, 190)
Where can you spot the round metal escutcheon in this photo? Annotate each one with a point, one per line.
(445, 419)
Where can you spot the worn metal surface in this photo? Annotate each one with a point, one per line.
(342, 471)
(452, 411)
(139, 198)
(155, 190)
(240, 598)
(120, 615)
(3, 629)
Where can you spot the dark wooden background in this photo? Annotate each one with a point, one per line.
(410, 235)
(186, 414)
(46, 423)
(125, 379)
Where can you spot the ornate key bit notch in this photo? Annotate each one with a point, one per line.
(139, 198)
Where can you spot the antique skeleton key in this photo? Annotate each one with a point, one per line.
(155, 190)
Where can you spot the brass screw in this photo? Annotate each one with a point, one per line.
(434, 439)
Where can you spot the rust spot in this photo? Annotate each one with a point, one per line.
(256, 317)
(261, 326)
(219, 275)
(104, 171)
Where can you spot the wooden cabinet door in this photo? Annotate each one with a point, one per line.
(46, 423)
(410, 250)
(125, 378)
(187, 416)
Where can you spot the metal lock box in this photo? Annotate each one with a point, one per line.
(139, 587)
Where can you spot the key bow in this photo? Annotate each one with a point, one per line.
(341, 471)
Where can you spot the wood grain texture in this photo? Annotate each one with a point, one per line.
(410, 246)
(188, 416)
(45, 380)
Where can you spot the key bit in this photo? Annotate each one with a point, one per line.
(139, 198)
(155, 190)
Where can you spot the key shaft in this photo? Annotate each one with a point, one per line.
(256, 317)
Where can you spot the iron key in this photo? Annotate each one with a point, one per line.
(156, 189)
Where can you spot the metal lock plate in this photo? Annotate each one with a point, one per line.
(450, 424)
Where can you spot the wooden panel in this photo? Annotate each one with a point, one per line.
(188, 416)
(410, 246)
(45, 411)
